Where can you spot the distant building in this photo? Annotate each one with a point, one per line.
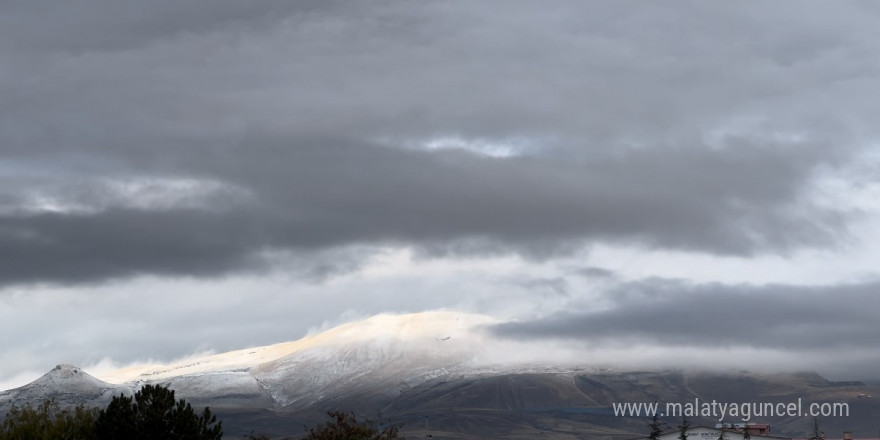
(762, 429)
(757, 431)
(847, 435)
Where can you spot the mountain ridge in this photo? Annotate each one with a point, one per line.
(411, 368)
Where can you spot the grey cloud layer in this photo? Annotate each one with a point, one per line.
(690, 127)
(314, 197)
(669, 313)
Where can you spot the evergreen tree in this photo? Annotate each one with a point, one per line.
(656, 427)
(153, 414)
(684, 427)
(817, 433)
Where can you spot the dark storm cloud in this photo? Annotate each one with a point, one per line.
(691, 127)
(669, 313)
(118, 243)
(312, 197)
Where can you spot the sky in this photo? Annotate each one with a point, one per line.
(642, 183)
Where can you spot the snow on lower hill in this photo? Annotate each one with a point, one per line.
(65, 383)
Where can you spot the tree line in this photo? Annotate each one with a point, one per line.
(153, 413)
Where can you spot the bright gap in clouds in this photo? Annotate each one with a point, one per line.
(88, 195)
(498, 148)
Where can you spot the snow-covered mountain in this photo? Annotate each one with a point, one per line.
(431, 365)
(382, 355)
(66, 384)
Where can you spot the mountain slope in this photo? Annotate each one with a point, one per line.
(66, 384)
(384, 355)
(422, 370)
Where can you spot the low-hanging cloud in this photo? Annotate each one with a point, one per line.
(672, 314)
